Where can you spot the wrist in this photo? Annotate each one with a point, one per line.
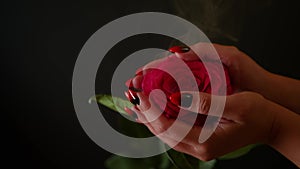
(276, 123)
(263, 81)
(284, 134)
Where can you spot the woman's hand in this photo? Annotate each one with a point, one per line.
(247, 122)
(244, 72)
(246, 75)
(250, 117)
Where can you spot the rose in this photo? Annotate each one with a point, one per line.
(159, 79)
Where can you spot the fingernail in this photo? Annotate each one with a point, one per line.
(179, 49)
(139, 73)
(182, 99)
(135, 89)
(131, 87)
(132, 97)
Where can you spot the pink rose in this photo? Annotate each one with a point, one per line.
(158, 79)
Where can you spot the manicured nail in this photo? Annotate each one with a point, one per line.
(132, 97)
(131, 87)
(182, 99)
(179, 49)
(139, 73)
(135, 89)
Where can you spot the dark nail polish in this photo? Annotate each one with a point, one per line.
(132, 97)
(182, 99)
(135, 89)
(179, 49)
(186, 100)
(131, 87)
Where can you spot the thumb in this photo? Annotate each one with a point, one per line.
(200, 102)
(192, 101)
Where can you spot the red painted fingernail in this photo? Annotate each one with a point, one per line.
(139, 71)
(128, 82)
(181, 99)
(179, 49)
(175, 98)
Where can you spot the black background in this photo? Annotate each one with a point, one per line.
(40, 43)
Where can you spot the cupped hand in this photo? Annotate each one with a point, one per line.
(247, 122)
(244, 72)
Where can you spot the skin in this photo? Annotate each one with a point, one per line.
(255, 113)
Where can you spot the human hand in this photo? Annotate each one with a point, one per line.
(257, 119)
(245, 74)
(247, 122)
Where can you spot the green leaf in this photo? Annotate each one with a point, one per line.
(158, 162)
(207, 164)
(115, 103)
(183, 161)
(238, 153)
(178, 159)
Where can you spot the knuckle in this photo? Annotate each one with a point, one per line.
(177, 148)
(204, 103)
(161, 128)
(206, 158)
(248, 101)
(204, 152)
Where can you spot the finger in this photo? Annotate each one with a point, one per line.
(188, 148)
(140, 118)
(176, 145)
(128, 82)
(202, 51)
(154, 63)
(200, 102)
(137, 82)
(139, 71)
(180, 146)
(237, 106)
(187, 55)
(174, 129)
(193, 101)
(148, 107)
